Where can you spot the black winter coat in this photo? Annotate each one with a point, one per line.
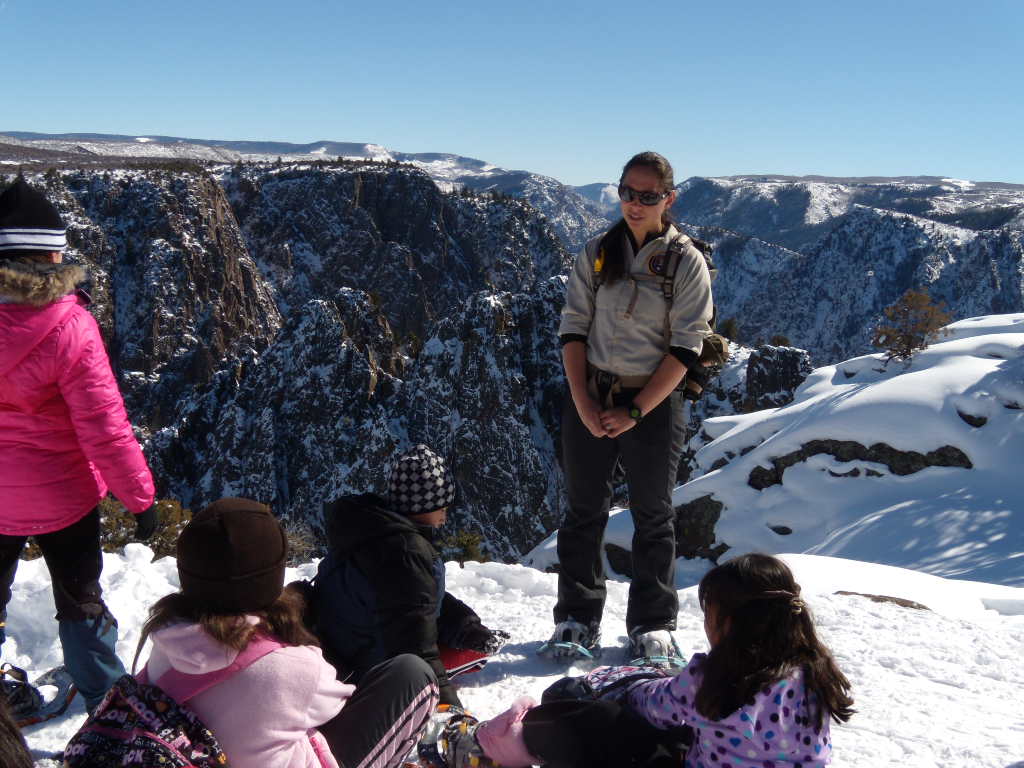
(380, 591)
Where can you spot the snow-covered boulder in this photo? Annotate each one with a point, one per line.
(913, 465)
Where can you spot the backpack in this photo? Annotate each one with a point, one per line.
(141, 724)
(592, 711)
(714, 350)
(601, 683)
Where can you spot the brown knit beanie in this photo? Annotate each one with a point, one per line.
(231, 557)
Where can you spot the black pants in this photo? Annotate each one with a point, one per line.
(599, 734)
(74, 560)
(650, 456)
(383, 720)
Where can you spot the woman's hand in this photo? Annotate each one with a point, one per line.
(590, 415)
(615, 421)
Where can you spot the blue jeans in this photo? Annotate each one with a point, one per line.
(87, 630)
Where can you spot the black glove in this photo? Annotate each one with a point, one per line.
(477, 637)
(145, 524)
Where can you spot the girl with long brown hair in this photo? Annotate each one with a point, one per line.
(764, 695)
(285, 709)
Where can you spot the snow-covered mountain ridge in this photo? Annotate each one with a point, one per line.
(793, 212)
(828, 298)
(573, 216)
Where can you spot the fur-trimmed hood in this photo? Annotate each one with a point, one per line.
(24, 327)
(37, 284)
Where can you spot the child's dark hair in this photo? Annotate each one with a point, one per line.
(13, 750)
(283, 620)
(611, 245)
(767, 633)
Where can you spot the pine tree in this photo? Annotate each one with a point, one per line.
(464, 545)
(730, 329)
(910, 325)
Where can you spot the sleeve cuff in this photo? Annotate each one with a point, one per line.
(687, 357)
(567, 337)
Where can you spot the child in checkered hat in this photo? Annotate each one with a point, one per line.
(381, 589)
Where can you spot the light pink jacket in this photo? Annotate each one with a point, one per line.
(64, 435)
(266, 715)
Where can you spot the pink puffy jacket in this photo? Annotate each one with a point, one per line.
(64, 435)
(266, 715)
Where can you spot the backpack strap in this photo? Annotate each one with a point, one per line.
(673, 255)
(182, 686)
(597, 279)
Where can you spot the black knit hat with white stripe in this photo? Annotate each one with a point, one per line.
(420, 482)
(28, 221)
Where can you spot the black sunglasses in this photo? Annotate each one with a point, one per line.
(628, 195)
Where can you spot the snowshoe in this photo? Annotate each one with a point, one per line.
(572, 640)
(654, 648)
(22, 698)
(449, 741)
(34, 702)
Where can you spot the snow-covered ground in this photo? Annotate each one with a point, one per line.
(938, 687)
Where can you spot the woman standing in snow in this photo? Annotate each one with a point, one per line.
(64, 436)
(762, 696)
(285, 709)
(638, 306)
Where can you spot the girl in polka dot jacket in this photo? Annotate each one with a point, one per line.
(765, 693)
(761, 698)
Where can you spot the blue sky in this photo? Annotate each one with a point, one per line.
(569, 89)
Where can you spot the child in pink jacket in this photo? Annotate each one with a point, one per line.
(64, 436)
(286, 709)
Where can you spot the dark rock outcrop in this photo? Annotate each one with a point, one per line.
(295, 427)
(695, 528)
(488, 390)
(898, 462)
(900, 601)
(175, 291)
(694, 532)
(773, 374)
(390, 232)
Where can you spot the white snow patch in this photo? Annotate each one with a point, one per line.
(960, 184)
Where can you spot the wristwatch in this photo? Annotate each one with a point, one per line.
(635, 413)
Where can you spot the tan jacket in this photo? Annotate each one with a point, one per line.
(624, 323)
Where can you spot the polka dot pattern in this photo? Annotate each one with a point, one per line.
(777, 729)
